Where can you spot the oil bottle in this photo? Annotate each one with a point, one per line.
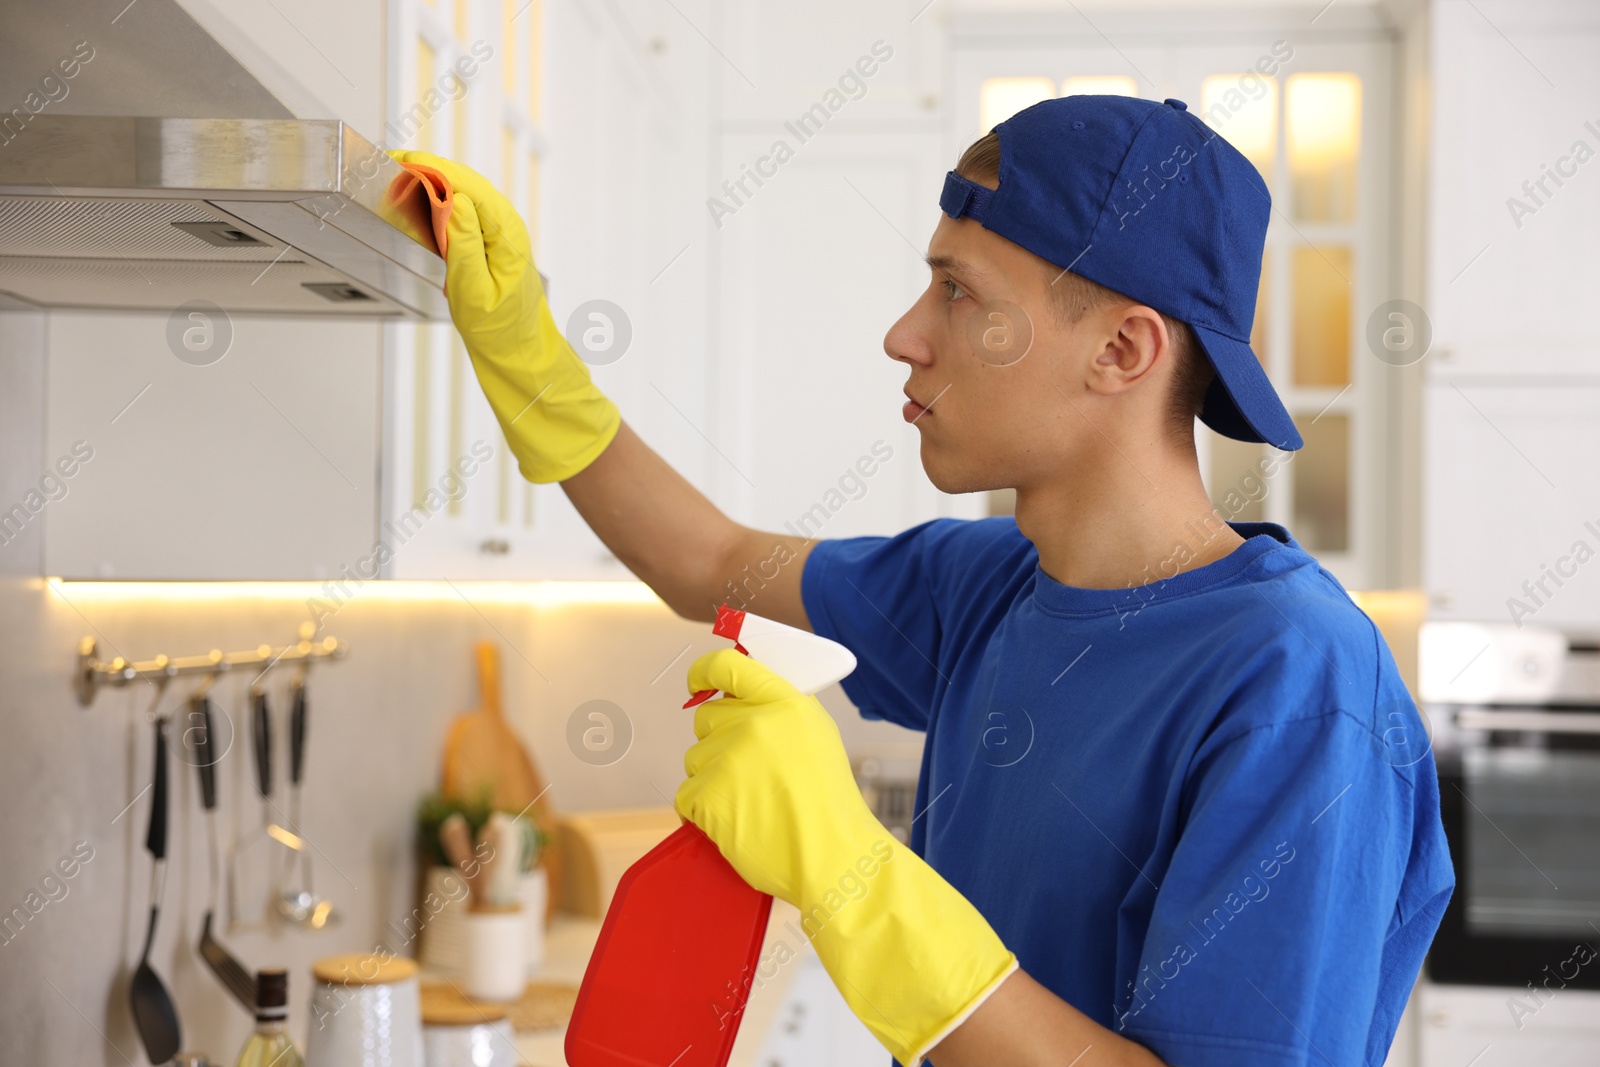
(270, 1046)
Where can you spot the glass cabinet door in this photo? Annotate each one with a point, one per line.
(465, 84)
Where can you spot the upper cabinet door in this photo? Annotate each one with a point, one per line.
(593, 127)
(199, 446)
(472, 80)
(1515, 205)
(1511, 519)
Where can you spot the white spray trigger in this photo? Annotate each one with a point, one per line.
(806, 661)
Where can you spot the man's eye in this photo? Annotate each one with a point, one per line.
(952, 290)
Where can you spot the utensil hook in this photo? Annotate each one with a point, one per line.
(203, 690)
(151, 713)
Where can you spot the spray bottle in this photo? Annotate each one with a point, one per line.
(679, 949)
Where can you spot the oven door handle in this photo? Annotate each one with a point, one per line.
(1546, 722)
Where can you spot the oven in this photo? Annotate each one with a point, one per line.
(1516, 738)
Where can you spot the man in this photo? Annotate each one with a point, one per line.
(1175, 805)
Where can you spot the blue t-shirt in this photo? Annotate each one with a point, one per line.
(1202, 811)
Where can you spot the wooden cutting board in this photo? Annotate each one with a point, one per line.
(482, 754)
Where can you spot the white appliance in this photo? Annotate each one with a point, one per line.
(1513, 976)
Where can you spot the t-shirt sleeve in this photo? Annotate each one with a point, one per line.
(1308, 881)
(908, 605)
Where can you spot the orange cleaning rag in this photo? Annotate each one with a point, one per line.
(435, 187)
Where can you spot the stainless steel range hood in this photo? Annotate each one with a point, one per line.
(248, 210)
(254, 215)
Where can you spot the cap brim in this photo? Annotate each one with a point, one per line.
(1241, 403)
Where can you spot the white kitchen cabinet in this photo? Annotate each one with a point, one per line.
(262, 464)
(1511, 512)
(1511, 263)
(597, 136)
(1512, 404)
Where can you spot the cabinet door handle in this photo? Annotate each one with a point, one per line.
(1544, 722)
(495, 547)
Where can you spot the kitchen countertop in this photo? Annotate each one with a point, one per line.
(570, 941)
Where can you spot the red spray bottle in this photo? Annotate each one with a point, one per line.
(678, 951)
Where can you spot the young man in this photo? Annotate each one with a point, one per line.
(1176, 805)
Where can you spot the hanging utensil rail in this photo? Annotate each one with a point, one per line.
(92, 673)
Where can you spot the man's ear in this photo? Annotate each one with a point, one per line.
(1135, 340)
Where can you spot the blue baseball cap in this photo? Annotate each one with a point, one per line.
(1145, 199)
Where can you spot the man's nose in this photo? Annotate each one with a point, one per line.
(907, 340)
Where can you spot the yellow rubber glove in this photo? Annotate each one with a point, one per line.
(770, 783)
(555, 419)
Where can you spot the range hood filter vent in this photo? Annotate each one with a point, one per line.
(104, 228)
